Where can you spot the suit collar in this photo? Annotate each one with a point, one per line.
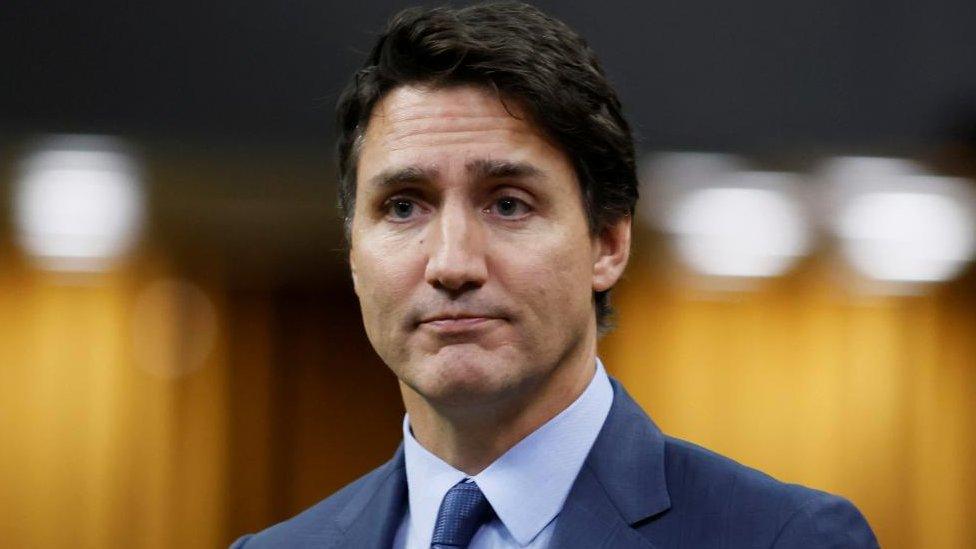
(622, 483)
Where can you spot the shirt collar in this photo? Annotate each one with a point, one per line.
(528, 484)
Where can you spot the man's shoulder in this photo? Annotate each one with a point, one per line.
(700, 478)
(322, 522)
(704, 485)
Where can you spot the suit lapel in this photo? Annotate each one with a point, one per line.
(622, 482)
(589, 519)
(372, 519)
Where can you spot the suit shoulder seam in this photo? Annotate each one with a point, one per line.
(799, 510)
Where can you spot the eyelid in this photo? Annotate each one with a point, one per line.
(514, 190)
(410, 193)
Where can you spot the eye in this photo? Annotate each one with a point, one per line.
(509, 207)
(400, 208)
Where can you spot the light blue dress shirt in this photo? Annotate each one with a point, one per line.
(526, 486)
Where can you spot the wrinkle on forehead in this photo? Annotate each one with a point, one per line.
(407, 117)
(465, 99)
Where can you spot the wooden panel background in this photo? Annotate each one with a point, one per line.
(872, 398)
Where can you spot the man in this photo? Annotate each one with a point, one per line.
(488, 182)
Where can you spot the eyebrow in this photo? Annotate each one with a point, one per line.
(406, 174)
(478, 169)
(498, 169)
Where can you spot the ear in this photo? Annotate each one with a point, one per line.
(611, 250)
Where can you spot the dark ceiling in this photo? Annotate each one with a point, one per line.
(712, 74)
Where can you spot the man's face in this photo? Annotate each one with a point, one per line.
(471, 254)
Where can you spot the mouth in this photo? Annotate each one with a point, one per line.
(457, 324)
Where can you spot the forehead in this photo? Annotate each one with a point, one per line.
(441, 127)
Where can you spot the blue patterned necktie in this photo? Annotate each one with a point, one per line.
(463, 510)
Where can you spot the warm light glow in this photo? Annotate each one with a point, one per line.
(907, 237)
(897, 225)
(668, 177)
(739, 231)
(174, 328)
(865, 170)
(78, 204)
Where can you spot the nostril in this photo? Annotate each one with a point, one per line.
(454, 292)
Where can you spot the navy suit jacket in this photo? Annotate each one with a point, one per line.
(638, 488)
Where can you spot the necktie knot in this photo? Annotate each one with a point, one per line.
(463, 510)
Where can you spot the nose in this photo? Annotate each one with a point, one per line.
(456, 260)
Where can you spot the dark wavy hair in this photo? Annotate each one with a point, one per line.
(521, 53)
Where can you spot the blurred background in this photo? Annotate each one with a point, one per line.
(181, 354)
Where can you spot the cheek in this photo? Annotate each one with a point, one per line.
(385, 281)
(383, 298)
(553, 280)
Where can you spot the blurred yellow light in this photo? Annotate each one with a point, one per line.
(174, 328)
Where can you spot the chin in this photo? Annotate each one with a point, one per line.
(464, 375)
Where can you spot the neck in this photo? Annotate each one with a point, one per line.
(470, 439)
